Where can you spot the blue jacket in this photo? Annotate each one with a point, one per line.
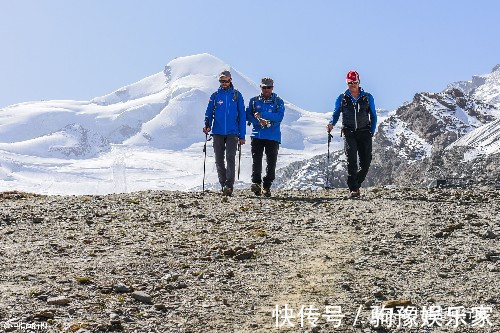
(229, 114)
(272, 109)
(338, 103)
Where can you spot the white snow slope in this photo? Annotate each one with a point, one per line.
(483, 140)
(146, 135)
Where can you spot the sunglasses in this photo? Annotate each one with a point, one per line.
(353, 82)
(224, 81)
(268, 87)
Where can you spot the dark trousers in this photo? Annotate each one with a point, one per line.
(271, 148)
(357, 143)
(225, 145)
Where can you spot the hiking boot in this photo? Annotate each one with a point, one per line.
(227, 191)
(256, 189)
(355, 193)
(266, 192)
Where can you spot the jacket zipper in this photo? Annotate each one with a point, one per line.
(356, 110)
(225, 116)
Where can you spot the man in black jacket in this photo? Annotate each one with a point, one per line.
(359, 121)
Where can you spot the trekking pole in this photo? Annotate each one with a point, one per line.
(328, 161)
(239, 158)
(204, 160)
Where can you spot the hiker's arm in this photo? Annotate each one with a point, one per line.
(373, 114)
(250, 117)
(242, 117)
(209, 113)
(336, 112)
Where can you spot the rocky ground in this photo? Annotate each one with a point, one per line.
(192, 262)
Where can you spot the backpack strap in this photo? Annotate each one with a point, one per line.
(235, 98)
(277, 99)
(214, 95)
(342, 103)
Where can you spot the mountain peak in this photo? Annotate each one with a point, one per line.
(198, 64)
(496, 68)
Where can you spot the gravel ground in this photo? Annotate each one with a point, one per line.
(162, 261)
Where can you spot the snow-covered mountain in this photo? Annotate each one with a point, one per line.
(72, 141)
(482, 140)
(147, 135)
(71, 146)
(483, 87)
(164, 110)
(413, 138)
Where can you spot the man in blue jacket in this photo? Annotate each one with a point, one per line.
(225, 117)
(359, 121)
(265, 112)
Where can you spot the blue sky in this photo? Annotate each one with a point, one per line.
(59, 49)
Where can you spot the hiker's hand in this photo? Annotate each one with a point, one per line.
(263, 122)
(256, 115)
(329, 128)
(242, 141)
(206, 130)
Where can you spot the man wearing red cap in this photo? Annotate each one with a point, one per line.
(359, 121)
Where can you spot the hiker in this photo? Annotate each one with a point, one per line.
(225, 117)
(359, 121)
(265, 112)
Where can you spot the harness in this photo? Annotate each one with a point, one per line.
(275, 100)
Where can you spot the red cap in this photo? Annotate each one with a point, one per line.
(352, 76)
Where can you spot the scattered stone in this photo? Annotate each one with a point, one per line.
(44, 314)
(160, 307)
(396, 303)
(453, 227)
(244, 255)
(61, 300)
(493, 256)
(439, 234)
(492, 267)
(489, 235)
(141, 297)
(37, 220)
(346, 287)
(106, 290)
(83, 279)
(122, 288)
